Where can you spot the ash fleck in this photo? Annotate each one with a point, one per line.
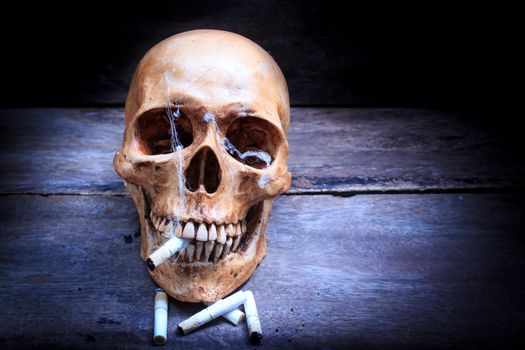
(104, 320)
(128, 239)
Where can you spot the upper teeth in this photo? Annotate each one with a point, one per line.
(210, 241)
(202, 233)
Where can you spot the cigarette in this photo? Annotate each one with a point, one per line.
(212, 312)
(160, 327)
(166, 251)
(235, 316)
(252, 318)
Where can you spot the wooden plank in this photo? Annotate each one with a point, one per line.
(331, 150)
(374, 271)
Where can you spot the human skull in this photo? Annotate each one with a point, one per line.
(204, 156)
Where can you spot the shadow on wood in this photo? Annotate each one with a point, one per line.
(371, 271)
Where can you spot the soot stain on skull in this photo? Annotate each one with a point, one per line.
(142, 164)
(249, 177)
(246, 185)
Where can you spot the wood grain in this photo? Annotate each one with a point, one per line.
(331, 150)
(369, 271)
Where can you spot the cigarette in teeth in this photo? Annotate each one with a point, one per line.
(165, 251)
(252, 318)
(160, 327)
(235, 316)
(212, 312)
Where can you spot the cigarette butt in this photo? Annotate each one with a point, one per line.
(235, 316)
(212, 312)
(160, 327)
(252, 318)
(165, 251)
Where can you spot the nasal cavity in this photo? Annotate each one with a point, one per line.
(204, 172)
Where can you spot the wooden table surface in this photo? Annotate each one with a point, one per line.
(403, 229)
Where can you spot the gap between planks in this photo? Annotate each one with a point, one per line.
(476, 190)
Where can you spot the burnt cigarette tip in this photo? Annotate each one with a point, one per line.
(180, 331)
(151, 265)
(159, 340)
(255, 338)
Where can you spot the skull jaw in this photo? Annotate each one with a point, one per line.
(207, 282)
(204, 281)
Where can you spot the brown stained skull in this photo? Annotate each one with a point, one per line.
(204, 157)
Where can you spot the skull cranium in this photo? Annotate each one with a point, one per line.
(204, 156)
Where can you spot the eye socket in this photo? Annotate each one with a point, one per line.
(154, 131)
(252, 141)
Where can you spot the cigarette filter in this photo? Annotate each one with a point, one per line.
(165, 251)
(212, 312)
(160, 327)
(235, 316)
(252, 318)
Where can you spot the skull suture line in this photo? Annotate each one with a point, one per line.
(204, 156)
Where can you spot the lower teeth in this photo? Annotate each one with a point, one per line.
(209, 251)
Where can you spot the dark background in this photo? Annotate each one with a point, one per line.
(439, 56)
(403, 227)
